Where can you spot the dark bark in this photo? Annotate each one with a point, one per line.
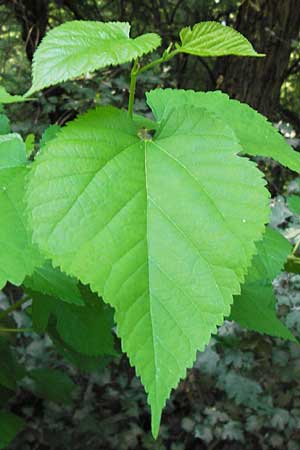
(33, 17)
(82, 10)
(271, 26)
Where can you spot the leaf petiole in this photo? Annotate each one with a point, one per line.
(137, 70)
(13, 307)
(15, 330)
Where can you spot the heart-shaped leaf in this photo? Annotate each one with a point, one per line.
(149, 224)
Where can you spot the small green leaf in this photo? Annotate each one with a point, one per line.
(18, 256)
(89, 329)
(10, 426)
(265, 140)
(148, 223)
(255, 307)
(84, 363)
(214, 39)
(293, 202)
(6, 98)
(52, 385)
(53, 282)
(78, 47)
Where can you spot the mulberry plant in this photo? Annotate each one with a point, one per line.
(157, 225)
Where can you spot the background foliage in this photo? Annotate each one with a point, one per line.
(245, 387)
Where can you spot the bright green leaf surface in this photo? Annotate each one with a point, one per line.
(89, 327)
(52, 385)
(256, 135)
(18, 257)
(214, 39)
(53, 282)
(6, 98)
(293, 202)
(153, 229)
(10, 426)
(255, 307)
(78, 47)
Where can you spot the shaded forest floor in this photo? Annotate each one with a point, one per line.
(243, 389)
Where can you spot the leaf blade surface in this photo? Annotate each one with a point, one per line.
(153, 229)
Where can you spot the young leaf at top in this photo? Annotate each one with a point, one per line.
(78, 47)
(256, 135)
(18, 257)
(149, 225)
(255, 307)
(214, 39)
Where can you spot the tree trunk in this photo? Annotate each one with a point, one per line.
(271, 26)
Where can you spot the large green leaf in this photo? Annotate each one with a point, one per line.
(78, 47)
(214, 39)
(255, 307)
(53, 282)
(150, 225)
(10, 426)
(18, 257)
(256, 135)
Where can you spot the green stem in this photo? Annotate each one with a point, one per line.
(136, 70)
(296, 247)
(15, 330)
(165, 57)
(133, 76)
(13, 307)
